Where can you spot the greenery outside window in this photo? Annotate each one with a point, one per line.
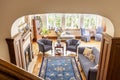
(72, 21)
(91, 21)
(54, 20)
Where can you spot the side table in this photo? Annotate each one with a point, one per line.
(59, 50)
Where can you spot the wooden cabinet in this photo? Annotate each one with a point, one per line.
(37, 26)
(109, 63)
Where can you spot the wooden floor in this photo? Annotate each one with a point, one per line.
(36, 69)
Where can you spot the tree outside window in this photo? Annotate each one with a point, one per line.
(54, 20)
(72, 21)
(58, 20)
(91, 21)
(50, 19)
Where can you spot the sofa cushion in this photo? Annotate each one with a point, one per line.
(82, 59)
(47, 47)
(72, 48)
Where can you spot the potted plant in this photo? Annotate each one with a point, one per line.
(44, 32)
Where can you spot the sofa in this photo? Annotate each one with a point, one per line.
(66, 35)
(89, 68)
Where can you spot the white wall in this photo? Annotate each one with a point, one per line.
(13, 9)
(109, 26)
(16, 24)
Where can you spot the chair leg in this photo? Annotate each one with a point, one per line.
(43, 53)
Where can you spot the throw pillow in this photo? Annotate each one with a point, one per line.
(88, 53)
(91, 57)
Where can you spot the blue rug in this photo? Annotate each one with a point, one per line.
(59, 68)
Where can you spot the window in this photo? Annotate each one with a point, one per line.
(72, 21)
(54, 20)
(91, 21)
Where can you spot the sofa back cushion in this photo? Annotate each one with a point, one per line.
(81, 49)
(74, 42)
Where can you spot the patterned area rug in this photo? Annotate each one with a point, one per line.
(59, 68)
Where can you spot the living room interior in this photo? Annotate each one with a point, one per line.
(108, 47)
(30, 29)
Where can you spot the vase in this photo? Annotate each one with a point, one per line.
(58, 42)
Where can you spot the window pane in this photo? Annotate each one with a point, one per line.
(91, 21)
(54, 20)
(68, 20)
(58, 20)
(50, 20)
(72, 21)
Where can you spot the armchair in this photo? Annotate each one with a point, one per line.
(44, 45)
(85, 35)
(98, 35)
(72, 45)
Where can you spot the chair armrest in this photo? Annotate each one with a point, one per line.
(78, 43)
(41, 46)
(92, 74)
(67, 42)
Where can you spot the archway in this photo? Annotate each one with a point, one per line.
(106, 23)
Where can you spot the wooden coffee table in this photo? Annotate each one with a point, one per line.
(59, 50)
